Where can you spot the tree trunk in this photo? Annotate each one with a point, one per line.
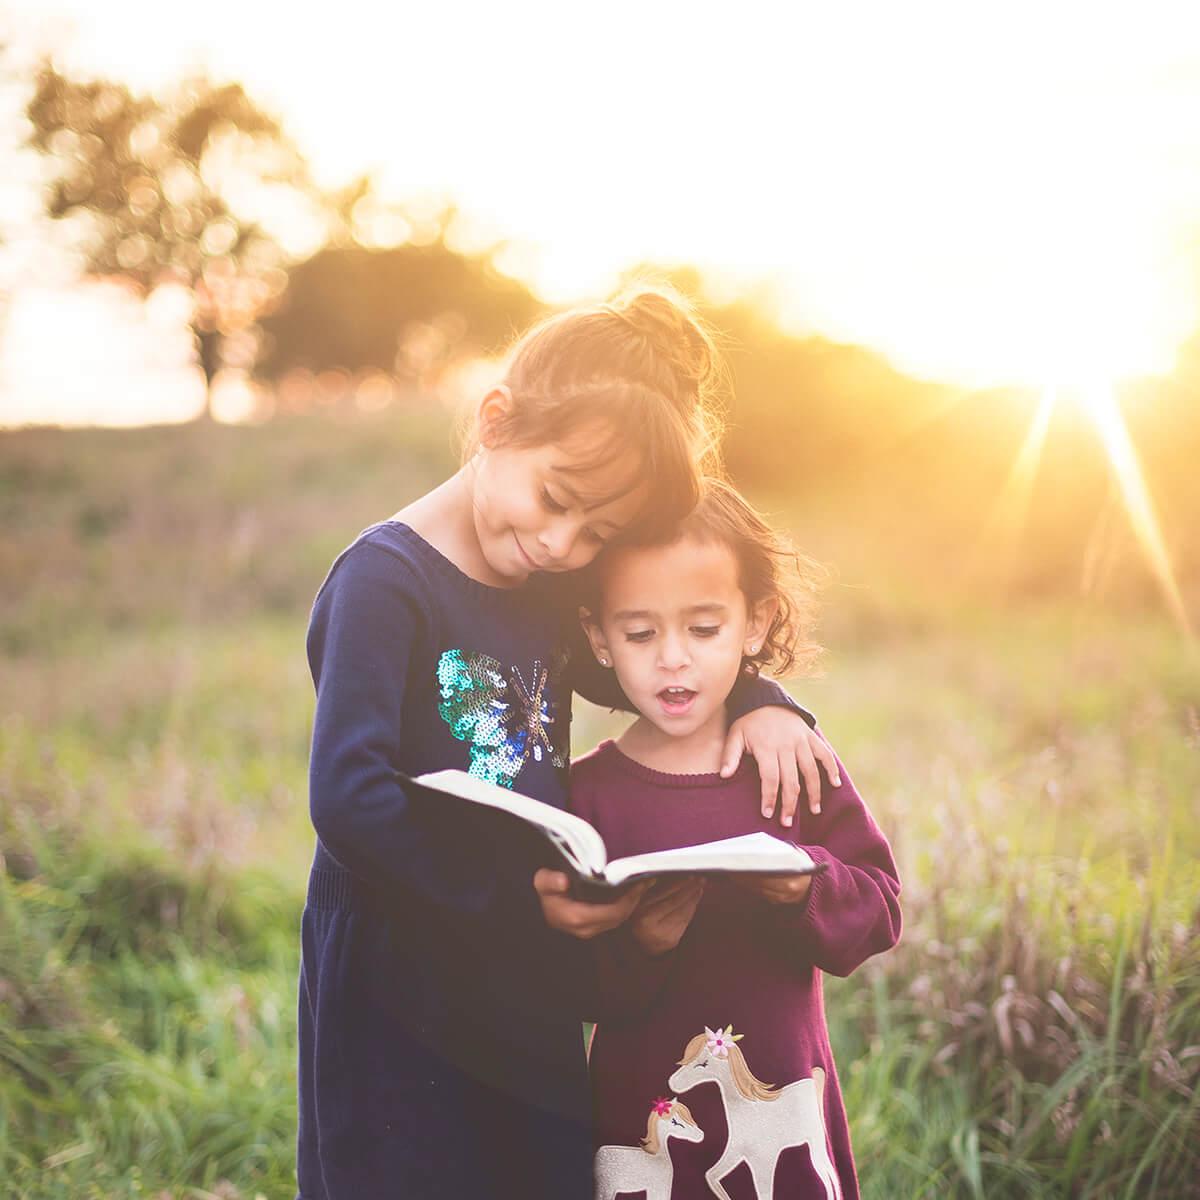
(209, 344)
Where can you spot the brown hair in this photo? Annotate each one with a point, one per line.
(749, 1086)
(644, 370)
(769, 567)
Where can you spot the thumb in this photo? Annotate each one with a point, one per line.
(550, 883)
(735, 745)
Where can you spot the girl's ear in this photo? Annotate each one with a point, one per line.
(595, 636)
(759, 624)
(494, 408)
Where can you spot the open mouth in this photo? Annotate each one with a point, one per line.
(676, 700)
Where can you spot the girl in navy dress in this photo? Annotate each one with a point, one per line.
(441, 989)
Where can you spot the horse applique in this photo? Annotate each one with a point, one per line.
(763, 1120)
(646, 1168)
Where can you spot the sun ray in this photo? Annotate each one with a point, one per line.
(996, 550)
(1100, 403)
(1012, 505)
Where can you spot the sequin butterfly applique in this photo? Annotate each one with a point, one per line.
(504, 718)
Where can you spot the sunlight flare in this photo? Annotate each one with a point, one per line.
(1099, 401)
(1011, 510)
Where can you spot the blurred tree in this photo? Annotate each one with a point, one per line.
(407, 310)
(10, 151)
(151, 187)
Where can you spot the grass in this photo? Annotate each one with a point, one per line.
(1036, 1034)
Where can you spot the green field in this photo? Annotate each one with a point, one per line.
(1037, 766)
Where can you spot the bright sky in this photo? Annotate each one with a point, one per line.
(987, 193)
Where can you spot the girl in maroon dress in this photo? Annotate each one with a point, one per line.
(723, 1083)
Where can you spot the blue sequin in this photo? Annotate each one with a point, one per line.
(503, 718)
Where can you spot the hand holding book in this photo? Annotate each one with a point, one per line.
(658, 912)
(665, 912)
(776, 889)
(583, 919)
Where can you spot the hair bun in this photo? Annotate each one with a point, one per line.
(643, 365)
(677, 334)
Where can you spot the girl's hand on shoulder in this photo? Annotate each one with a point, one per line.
(775, 889)
(787, 751)
(581, 918)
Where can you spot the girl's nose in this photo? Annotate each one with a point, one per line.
(557, 541)
(673, 652)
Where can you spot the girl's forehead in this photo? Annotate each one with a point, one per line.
(684, 572)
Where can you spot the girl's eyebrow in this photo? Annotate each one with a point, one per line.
(578, 499)
(644, 614)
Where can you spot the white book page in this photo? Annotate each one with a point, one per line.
(582, 845)
(750, 852)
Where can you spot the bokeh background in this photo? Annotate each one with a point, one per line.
(252, 262)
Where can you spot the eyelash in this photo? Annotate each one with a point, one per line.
(552, 504)
(549, 502)
(644, 635)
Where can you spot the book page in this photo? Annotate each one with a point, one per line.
(751, 852)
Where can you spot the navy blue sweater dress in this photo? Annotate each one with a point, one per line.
(440, 1050)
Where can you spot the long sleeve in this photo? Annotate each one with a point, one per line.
(853, 909)
(367, 620)
(753, 691)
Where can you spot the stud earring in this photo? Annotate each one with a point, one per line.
(604, 662)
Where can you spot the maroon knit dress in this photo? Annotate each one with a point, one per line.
(724, 1085)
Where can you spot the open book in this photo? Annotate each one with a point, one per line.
(582, 849)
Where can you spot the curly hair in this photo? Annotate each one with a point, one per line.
(769, 568)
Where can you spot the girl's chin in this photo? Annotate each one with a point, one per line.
(507, 573)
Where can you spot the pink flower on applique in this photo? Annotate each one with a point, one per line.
(662, 1106)
(717, 1043)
